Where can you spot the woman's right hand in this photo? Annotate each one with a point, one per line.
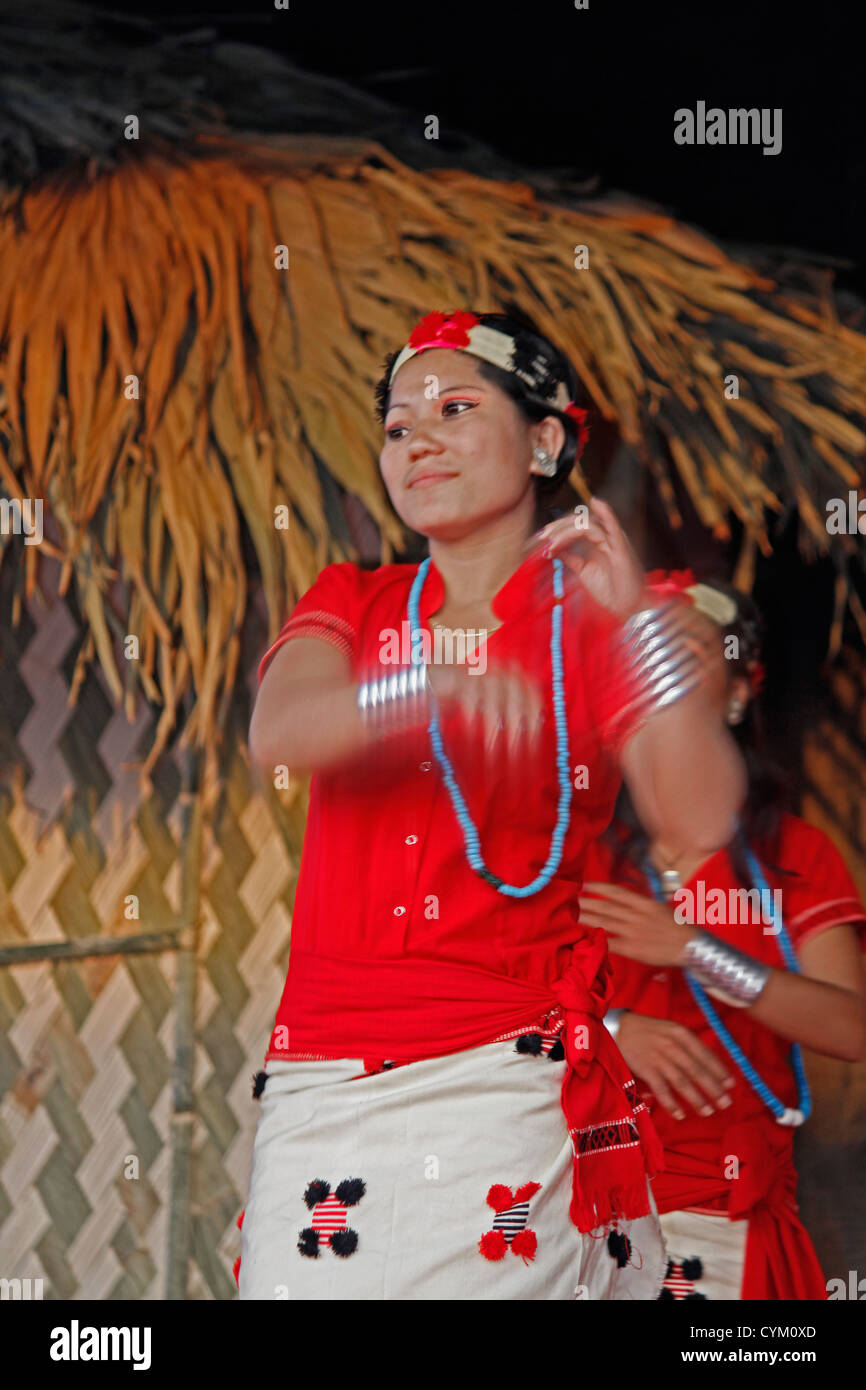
(670, 1059)
(508, 704)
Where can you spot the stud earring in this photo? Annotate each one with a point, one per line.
(736, 710)
(546, 462)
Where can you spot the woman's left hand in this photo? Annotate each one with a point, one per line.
(638, 927)
(600, 554)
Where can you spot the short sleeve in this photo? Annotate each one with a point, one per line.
(328, 611)
(823, 894)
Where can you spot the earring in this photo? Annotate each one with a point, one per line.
(736, 710)
(546, 462)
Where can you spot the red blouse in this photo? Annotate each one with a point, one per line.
(383, 872)
(399, 950)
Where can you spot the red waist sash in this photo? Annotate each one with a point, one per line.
(406, 1010)
(781, 1262)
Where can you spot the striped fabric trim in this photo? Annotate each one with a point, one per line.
(857, 920)
(841, 909)
(321, 615)
(329, 1216)
(511, 1221)
(679, 1286)
(602, 1138)
(327, 627)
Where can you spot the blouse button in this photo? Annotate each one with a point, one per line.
(425, 766)
(411, 839)
(398, 911)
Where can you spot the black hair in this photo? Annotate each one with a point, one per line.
(768, 788)
(532, 351)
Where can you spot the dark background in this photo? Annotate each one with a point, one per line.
(593, 92)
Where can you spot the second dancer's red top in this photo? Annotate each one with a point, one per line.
(399, 950)
(815, 892)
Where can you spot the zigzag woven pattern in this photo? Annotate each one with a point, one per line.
(87, 1045)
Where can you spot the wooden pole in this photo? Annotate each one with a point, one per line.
(86, 946)
(183, 1113)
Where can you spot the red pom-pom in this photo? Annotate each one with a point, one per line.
(236, 1269)
(500, 1197)
(492, 1245)
(528, 1190)
(525, 1244)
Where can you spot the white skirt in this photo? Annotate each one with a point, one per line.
(376, 1187)
(707, 1254)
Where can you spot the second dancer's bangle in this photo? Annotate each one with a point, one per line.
(732, 975)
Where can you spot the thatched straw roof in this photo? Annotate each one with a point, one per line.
(157, 262)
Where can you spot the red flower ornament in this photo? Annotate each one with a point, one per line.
(443, 330)
(579, 418)
(675, 582)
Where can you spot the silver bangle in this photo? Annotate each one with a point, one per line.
(658, 657)
(739, 979)
(402, 695)
(612, 1020)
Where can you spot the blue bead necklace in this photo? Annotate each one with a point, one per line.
(783, 1114)
(563, 757)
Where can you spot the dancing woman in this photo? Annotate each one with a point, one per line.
(443, 1113)
(706, 1018)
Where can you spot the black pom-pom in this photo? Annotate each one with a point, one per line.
(259, 1083)
(308, 1243)
(692, 1269)
(529, 1042)
(690, 1296)
(665, 1295)
(317, 1191)
(350, 1191)
(557, 1052)
(619, 1247)
(344, 1242)
(670, 1269)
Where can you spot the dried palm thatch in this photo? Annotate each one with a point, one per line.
(255, 383)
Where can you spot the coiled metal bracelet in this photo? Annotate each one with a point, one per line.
(659, 656)
(402, 694)
(724, 970)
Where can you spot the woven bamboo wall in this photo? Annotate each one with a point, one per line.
(87, 1047)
